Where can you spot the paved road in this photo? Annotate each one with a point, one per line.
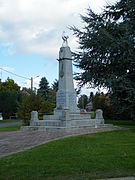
(13, 142)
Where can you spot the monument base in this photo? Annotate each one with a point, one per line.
(65, 129)
(65, 120)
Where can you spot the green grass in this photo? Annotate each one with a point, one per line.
(101, 155)
(122, 123)
(12, 128)
(9, 120)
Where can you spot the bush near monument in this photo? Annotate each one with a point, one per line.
(83, 101)
(102, 101)
(44, 101)
(31, 103)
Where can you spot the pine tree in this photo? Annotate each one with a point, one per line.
(107, 53)
(43, 90)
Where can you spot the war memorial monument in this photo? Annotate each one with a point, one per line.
(66, 114)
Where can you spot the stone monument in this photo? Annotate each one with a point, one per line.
(66, 95)
(66, 114)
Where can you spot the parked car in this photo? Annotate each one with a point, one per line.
(1, 118)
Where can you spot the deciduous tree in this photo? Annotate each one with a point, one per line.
(83, 101)
(10, 96)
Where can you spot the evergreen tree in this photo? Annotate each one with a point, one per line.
(43, 90)
(107, 53)
(55, 85)
(91, 96)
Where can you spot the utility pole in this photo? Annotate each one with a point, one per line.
(1, 76)
(32, 82)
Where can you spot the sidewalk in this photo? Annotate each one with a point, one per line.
(13, 142)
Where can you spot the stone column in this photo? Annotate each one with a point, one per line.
(66, 95)
(99, 116)
(34, 117)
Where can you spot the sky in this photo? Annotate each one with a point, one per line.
(30, 36)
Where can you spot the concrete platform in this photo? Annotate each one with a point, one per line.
(64, 129)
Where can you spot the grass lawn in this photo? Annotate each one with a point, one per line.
(101, 155)
(9, 120)
(9, 128)
(12, 128)
(122, 123)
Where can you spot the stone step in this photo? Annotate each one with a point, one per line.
(79, 123)
(80, 117)
(55, 123)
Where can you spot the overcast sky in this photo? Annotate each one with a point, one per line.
(30, 35)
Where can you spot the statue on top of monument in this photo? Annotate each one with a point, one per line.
(64, 37)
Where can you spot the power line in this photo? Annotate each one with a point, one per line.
(14, 74)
